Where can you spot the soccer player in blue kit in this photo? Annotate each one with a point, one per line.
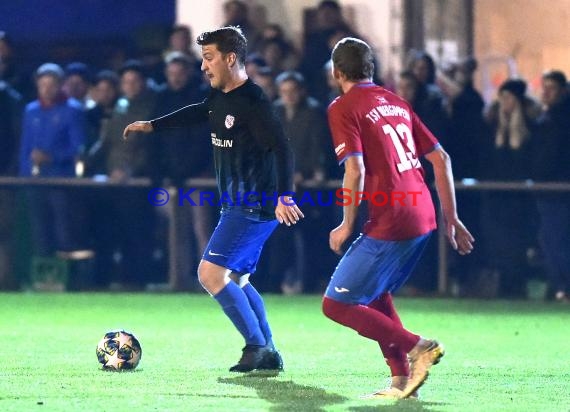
(252, 158)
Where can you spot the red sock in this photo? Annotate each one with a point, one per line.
(396, 358)
(371, 324)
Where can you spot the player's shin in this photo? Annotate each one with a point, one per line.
(236, 306)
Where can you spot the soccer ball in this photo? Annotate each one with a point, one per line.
(119, 351)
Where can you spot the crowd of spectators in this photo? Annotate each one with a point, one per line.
(78, 112)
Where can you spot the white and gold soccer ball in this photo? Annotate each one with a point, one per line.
(119, 351)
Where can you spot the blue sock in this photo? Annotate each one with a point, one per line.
(236, 306)
(256, 303)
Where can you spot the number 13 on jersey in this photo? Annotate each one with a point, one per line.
(407, 158)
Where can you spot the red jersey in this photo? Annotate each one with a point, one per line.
(371, 122)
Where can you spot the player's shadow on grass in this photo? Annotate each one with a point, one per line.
(287, 395)
(410, 405)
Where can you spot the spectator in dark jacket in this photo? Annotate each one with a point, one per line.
(10, 107)
(184, 155)
(465, 143)
(468, 130)
(551, 151)
(135, 157)
(429, 109)
(506, 215)
(305, 125)
(236, 13)
(10, 122)
(77, 83)
(317, 47)
(130, 217)
(9, 72)
(105, 93)
(429, 100)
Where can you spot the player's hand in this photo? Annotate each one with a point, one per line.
(338, 236)
(287, 211)
(459, 237)
(140, 126)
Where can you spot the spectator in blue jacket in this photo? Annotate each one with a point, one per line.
(52, 137)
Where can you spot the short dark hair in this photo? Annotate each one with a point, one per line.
(78, 69)
(238, 3)
(330, 4)
(416, 55)
(291, 75)
(353, 57)
(181, 28)
(556, 76)
(107, 76)
(517, 87)
(133, 66)
(229, 39)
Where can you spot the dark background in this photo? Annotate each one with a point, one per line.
(97, 32)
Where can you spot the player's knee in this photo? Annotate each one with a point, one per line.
(212, 277)
(201, 278)
(331, 308)
(204, 276)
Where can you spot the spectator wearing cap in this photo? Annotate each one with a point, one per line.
(77, 83)
(53, 128)
(550, 154)
(53, 133)
(506, 216)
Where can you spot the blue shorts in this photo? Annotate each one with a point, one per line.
(238, 239)
(372, 267)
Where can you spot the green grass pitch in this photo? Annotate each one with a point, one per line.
(501, 356)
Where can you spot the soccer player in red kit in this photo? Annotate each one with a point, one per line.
(379, 139)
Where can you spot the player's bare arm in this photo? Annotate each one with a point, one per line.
(139, 126)
(353, 181)
(287, 211)
(458, 235)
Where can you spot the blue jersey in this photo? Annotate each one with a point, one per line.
(59, 131)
